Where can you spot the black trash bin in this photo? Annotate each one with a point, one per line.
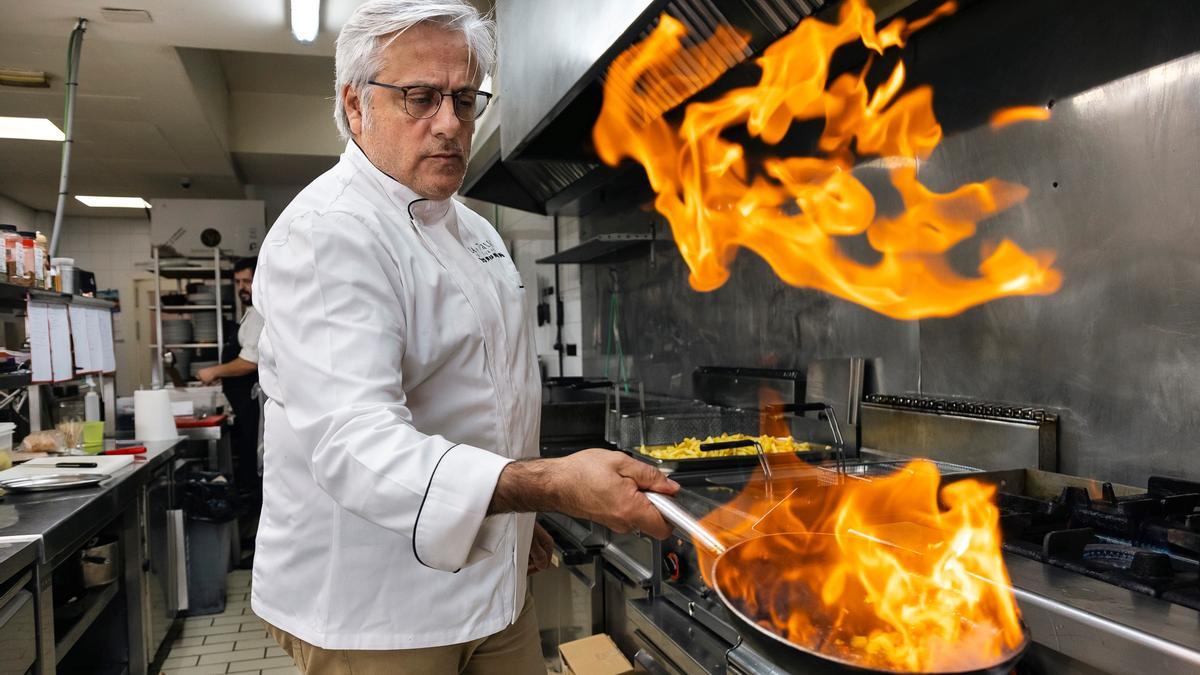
(210, 504)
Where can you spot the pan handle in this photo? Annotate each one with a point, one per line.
(678, 516)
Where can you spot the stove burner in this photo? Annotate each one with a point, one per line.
(1149, 542)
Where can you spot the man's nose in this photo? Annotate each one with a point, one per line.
(445, 123)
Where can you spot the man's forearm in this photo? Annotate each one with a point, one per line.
(524, 486)
(236, 368)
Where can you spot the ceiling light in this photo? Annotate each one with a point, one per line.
(306, 19)
(30, 128)
(15, 77)
(114, 202)
(125, 15)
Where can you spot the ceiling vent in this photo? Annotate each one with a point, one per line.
(125, 15)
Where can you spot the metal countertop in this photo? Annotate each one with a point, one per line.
(62, 519)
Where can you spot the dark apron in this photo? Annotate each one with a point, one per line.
(244, 434)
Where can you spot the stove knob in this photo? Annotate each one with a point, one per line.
(672, 568)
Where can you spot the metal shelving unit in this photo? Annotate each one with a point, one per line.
(214, 272)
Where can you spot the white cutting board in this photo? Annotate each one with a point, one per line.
(107, 465)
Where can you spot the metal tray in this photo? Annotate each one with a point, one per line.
(52, 481)
(817, 453)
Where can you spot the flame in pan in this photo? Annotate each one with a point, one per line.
(877, 573)
(799, 213)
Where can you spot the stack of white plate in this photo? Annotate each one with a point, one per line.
(197, 366)
(177, 331)
(204, 297)
(205, 324)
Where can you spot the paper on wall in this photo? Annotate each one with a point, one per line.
(109, 354)
(79, 333)
(95, 339)
(38, 328)
(61, 364)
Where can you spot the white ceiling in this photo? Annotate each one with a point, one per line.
(217, 91)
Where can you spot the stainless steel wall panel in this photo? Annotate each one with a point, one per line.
(1116, 351)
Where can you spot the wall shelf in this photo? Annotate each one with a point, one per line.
(604, 249)
(189, 308)
(14, 379)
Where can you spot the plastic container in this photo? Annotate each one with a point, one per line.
(66, 274)
(9, 239)
(24, 260)
(91, 404)
(6, 438)
(42, 260)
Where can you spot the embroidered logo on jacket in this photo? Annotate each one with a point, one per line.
(485, 251)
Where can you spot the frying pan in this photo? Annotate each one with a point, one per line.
(793, 657)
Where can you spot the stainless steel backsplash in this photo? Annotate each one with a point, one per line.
(1114, 184)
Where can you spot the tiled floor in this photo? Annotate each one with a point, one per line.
(234, 641)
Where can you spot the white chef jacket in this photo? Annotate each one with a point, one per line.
(249, 328)
(401, 377)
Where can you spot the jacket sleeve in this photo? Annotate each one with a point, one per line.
(335, 312)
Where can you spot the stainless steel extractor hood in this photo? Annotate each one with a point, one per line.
(537, 155)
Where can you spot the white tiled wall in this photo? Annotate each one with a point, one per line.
(111, 248)
(529, 237)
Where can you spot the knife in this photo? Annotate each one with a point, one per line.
(76, 465)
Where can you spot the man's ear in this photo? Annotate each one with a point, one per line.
(352, 104)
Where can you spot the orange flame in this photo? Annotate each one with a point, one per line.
(793, 211)
(874, 573)
(1024, 113)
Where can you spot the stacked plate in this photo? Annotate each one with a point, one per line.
(203, 297)
(205, 324)
(178, 331)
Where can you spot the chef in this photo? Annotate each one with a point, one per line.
(401, 424)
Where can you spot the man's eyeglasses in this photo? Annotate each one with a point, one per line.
(424, 102)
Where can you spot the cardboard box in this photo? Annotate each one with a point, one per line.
(595, 655)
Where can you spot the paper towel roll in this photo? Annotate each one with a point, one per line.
(152, 418)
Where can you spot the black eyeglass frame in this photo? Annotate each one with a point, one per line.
(403, 89)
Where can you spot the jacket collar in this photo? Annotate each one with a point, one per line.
(424, 210)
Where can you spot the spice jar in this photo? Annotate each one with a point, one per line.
(9, 240)
(42, 261)
(26, 261)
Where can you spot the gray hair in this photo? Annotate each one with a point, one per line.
(376, 23)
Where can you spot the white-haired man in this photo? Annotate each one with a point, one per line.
(399, 489)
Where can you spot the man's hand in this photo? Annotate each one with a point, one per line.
(597, 484)
(208, 375)
(540, 550)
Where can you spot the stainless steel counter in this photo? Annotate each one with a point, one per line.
(16, 556)
(1111, 629)
(64, 519)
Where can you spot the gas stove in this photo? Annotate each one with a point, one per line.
(1146, 541)
(1079, 554)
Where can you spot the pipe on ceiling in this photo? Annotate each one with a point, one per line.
(74, 46)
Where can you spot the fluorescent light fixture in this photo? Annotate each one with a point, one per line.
(306, 19)
(114, 202)
(30, 128)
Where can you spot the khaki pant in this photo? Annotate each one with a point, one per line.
(516, 650)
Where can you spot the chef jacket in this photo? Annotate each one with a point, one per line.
(401, 377)
(249, 328)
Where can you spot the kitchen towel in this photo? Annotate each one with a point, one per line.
(152, 417)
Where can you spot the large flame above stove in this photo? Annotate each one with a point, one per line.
(875, 572)
(797, 212)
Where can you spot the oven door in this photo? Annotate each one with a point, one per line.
(569, 595)
(662, 640)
